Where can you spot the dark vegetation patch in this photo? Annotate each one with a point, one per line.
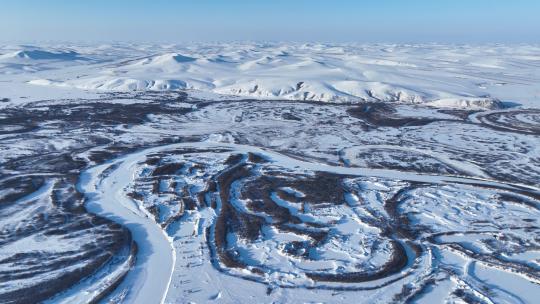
(461, 114)
(379, 114)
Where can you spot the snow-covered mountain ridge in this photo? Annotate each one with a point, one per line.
(438, 75)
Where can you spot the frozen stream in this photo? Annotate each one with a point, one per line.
(150, 278)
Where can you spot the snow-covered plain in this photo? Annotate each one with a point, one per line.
(269, 173)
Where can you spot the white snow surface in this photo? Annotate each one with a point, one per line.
(173, 263)
(457, 76)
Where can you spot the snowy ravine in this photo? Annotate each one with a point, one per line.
(269, 173)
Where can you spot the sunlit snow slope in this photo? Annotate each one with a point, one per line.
(455, 76)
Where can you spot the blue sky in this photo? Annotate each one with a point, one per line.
(454, 21)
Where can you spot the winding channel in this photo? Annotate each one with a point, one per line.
(104, 189)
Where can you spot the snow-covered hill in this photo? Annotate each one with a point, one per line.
(36, 54)
(440, 75)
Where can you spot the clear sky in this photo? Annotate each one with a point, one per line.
(454, 21)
